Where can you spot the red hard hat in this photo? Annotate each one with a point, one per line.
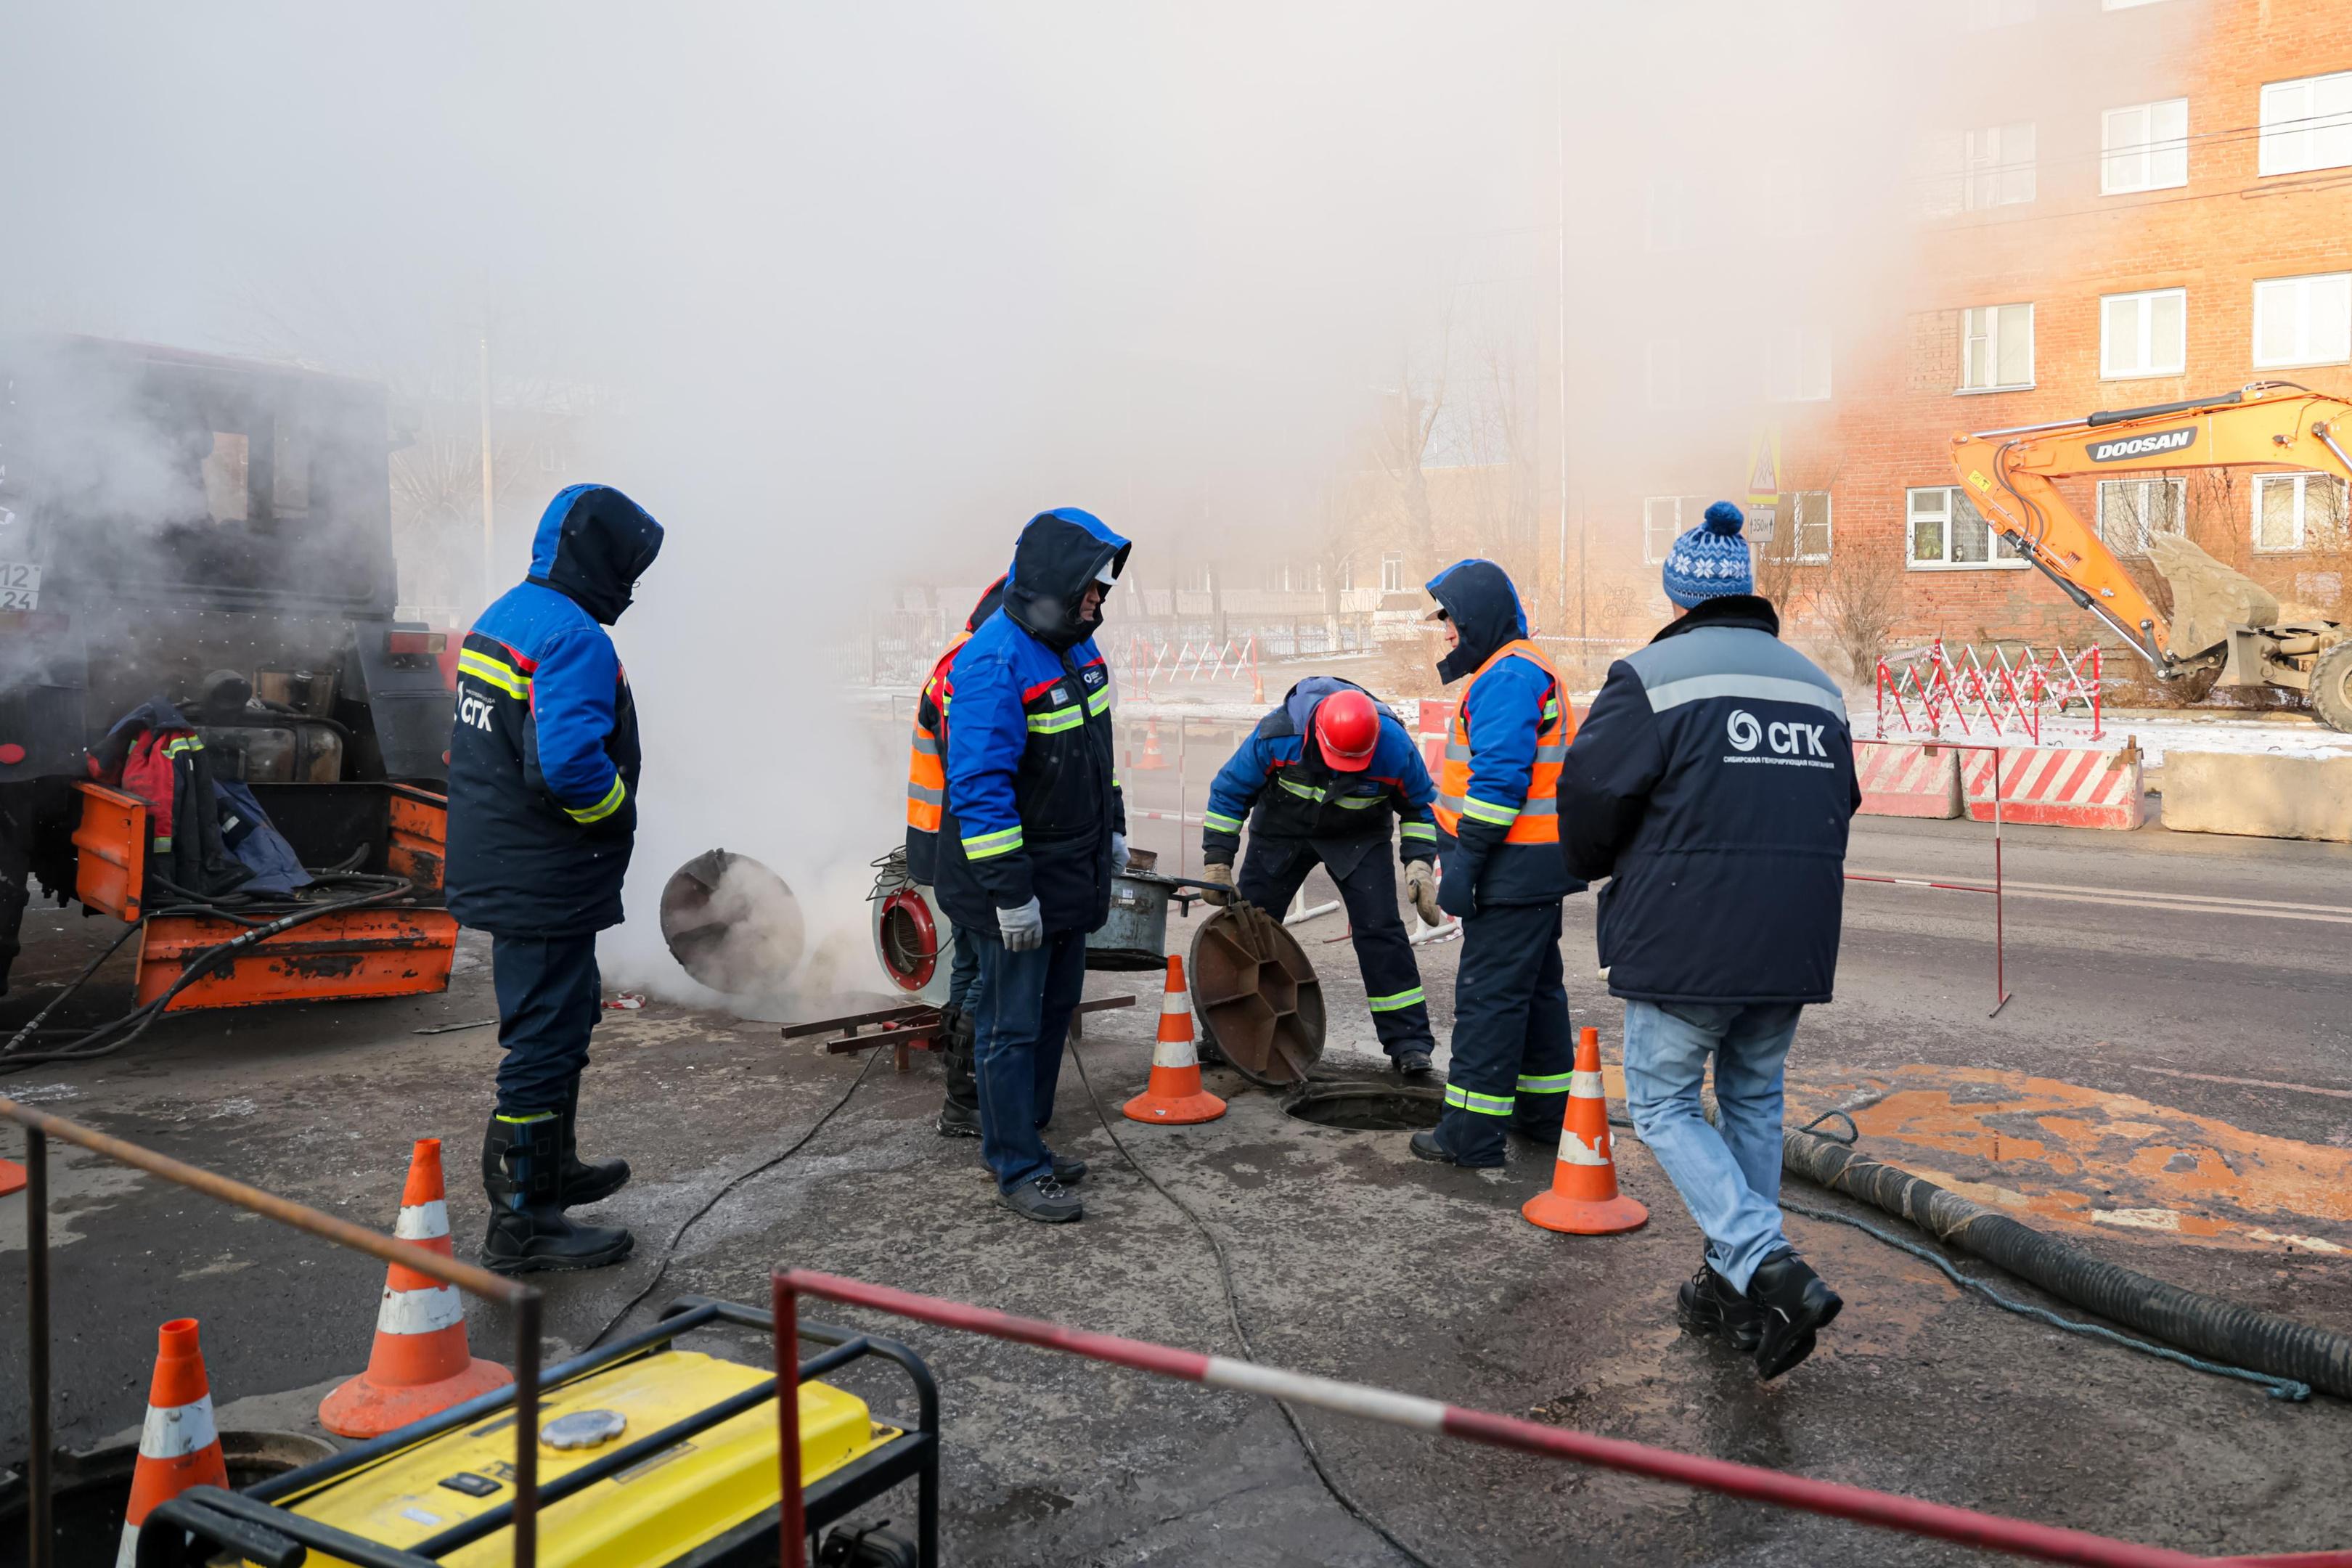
(1347, 728)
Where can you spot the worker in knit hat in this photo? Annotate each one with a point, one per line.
(1711, 781)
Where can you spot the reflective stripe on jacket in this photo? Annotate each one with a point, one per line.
(1529, 814)
(927, 777)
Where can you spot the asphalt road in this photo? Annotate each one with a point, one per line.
(2169, 1085)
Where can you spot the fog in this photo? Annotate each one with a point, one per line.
(850, 292)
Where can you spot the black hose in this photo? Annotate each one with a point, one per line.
(2222, 1330)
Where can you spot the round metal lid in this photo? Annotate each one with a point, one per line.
(584, 1429)
(731, 922)
(1256, 996)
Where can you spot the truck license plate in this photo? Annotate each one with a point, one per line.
(20, 586)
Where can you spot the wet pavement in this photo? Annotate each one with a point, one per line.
(2169, 1088)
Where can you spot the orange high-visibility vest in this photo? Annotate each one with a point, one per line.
(1536, 819)
(927, 774)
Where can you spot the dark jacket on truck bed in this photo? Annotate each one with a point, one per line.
(1712, 783)
(543, 758)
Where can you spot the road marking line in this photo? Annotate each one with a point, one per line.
(2136, 898)
(2243, 1082)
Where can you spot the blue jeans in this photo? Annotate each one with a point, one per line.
(1021, 1026)
(964, 971)
(1728, 1174)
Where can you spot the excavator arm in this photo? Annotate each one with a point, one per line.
(2009, 476)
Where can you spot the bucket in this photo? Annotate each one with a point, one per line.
(1135, 936)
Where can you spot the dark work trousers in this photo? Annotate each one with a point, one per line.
(1272, 872)
(963, 993)
(549, 998)
(1025, 1003)
(1512, 1051)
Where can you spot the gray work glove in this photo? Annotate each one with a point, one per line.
(1118, 853)
(1222, 893)
(1022, 929)
(1421, 886)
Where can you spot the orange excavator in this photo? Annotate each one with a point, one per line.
(2225, 629)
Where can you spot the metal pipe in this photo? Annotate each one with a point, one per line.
(792, 1525)
(526, 1429)
(2023, 429)
(269, 1205)
(39, 1538)
(1912, 1516)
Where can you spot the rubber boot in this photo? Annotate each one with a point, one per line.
(522, 1171)
(959, 1111)
(586, 1180)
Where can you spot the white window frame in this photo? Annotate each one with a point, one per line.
(2307, 124)
(2301, 483)
(1391, 571)
(1661, 373)
(1998, 554)
(2149, 159)
(1991, 315)
(2143, 334)
(1665, 518)
(2138, 487)
(1797, 364)
(1994, 172)
(1810, 517)
(2267, 294)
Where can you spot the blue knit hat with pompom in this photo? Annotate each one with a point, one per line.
(1710, 560)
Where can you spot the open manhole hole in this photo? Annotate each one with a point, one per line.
(1367, 1107)
(91, 1491)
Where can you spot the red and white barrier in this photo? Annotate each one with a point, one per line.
(1908, 780)
(2056, 786)
(1430, 727)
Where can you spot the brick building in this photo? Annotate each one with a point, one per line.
(2132, 202)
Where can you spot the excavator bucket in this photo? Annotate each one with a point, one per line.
(2208, 598)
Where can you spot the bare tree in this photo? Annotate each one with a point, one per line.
(1861, 600)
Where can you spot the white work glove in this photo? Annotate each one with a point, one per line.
(1022, 929)
(1222, 893)
(1421, 886)
(1118, 853)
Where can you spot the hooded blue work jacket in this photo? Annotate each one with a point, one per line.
(1033, 789)
(1278, 780)
(1712, 784)
(1504, 711)
(543, 756)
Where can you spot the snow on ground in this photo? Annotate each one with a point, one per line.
(2158, 732)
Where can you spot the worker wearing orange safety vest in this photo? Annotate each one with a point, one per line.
(1498, 848)
(926, 793)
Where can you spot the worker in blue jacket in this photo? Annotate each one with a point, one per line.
(1501, 872)
(1034, 832)
(1329, 776)
(543, 815)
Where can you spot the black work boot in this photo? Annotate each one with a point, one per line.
(1792, 1302)
(959, 1111)
(1707, 1304)
(523, 1171)
(586, 1180)
(1068, 1169)
(1413, 1061)
(1043, 1199)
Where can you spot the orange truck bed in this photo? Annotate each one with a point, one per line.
(400, 949)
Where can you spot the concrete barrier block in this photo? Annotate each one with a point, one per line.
(1899, 780)
(2057, 786)
(2259, 796)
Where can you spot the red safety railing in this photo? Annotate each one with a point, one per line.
(1937, 693)
(1999, 920)
(1911, 1516)
(1147, 664)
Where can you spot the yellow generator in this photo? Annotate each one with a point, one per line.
(649, 1457)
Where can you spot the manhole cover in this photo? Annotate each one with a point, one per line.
(1367, 1107)
(731, 923)
(1256, 997)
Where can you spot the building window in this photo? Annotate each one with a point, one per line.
(1810, 517)
(2308, 124)
(2144, 335)
(1665, 517)
(1347, 574)
(1998, 162)
(1984, 15)
(1662, 372)
(2144, 147)
(1996, 348)
(2298, 511)
(1664, 210)
(1946, 531)
(1797, 364)
(1391, 572)
(2303, 321)
(2132, 510)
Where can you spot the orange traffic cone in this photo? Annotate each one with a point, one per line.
(1583, 1199)
(421, 1364)
(179, 1447)
(1174, 1095)
(1152, 761)
(12, 1177)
